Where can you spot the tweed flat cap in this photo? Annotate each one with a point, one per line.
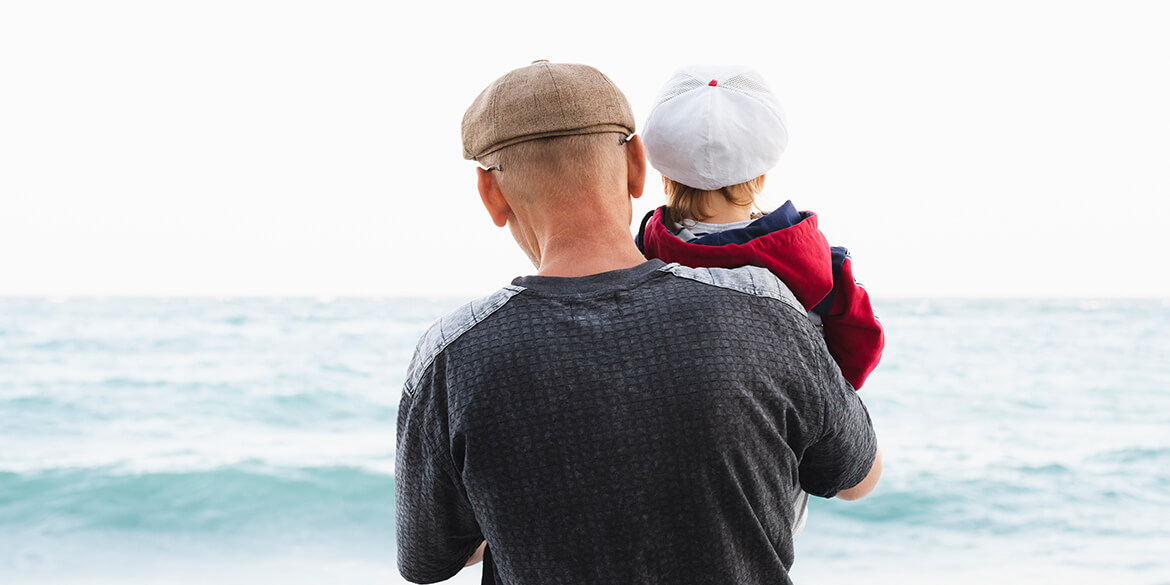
(544, 100)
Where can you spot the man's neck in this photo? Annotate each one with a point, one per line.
(589, 253)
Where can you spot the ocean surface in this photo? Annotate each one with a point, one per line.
(252, 440)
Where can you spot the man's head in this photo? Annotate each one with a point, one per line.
(554, 143)
(544, 100)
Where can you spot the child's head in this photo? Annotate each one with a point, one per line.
(713, 132)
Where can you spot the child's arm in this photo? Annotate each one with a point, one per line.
(852, 332)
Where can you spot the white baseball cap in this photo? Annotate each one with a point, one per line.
(715, 126)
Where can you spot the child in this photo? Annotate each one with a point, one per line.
(713, 134)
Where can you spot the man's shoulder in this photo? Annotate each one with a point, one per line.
(749, 280)
(449, 327)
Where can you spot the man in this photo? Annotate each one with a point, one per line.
(611, 420)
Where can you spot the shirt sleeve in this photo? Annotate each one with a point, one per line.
(844, 449)
(436, 527)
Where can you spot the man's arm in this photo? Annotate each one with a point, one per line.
(842, 459)
(477, 556)
(862, 489)
(436, 528)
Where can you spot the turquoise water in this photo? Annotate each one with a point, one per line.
(236, 440)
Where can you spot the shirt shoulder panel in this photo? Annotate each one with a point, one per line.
(449, 327)
(751, 280)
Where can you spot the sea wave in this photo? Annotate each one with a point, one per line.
(249, 497)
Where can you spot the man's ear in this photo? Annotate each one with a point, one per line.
(492, 197)
(635, 166)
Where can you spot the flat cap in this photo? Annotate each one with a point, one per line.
(544, 100)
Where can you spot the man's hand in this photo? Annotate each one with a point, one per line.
(476, 556)
(861, 489)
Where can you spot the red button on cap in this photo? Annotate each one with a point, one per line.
(713, 83)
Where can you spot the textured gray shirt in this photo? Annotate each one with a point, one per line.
(649, 425)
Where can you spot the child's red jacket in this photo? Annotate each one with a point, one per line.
(788, 243)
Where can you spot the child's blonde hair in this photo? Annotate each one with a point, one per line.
(684, 202)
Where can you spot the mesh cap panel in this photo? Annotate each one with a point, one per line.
(746, 83)
(675, 87)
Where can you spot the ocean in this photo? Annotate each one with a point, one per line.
(252, 440)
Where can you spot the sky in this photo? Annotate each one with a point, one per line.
(990, 149)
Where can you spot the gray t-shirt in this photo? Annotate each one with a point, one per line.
(649, 425)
